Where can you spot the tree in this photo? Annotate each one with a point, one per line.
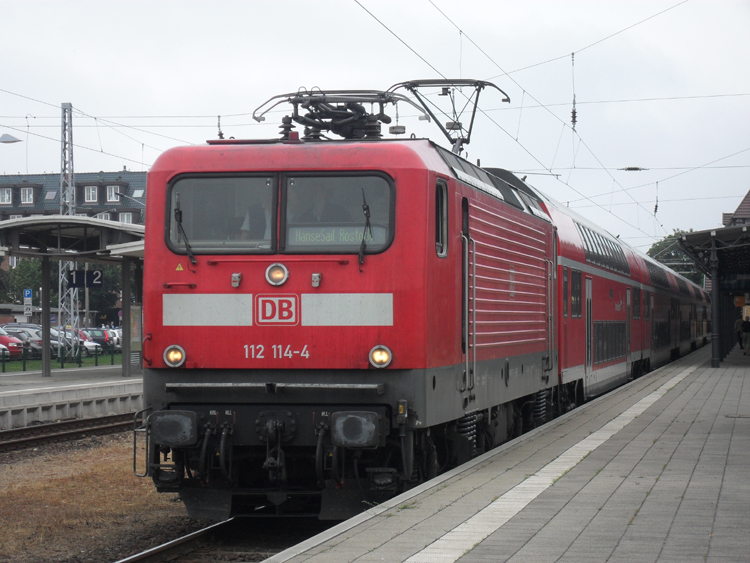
(668, 252)
(105, 298)
(4, 285)
(26, 275)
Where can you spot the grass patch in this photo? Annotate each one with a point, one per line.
(561, 476)
(12, 366)
(57, 504)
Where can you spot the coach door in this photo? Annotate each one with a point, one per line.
(589, 336)
(628, 309)
(468, 308)
(551, 287)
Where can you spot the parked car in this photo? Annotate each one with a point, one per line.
(114, 338)
(35, 337)
(91, 348)
(13, 344)
(31, 345)
(100, 336)
(88, 346)
(4, 352)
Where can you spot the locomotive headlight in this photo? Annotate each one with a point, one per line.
(174, 356)
(380, 356)
(276, 274)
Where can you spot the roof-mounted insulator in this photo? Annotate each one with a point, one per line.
(312, 134)
(286, 127)
(372, 128)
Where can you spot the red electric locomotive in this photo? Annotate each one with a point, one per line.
(330, 322)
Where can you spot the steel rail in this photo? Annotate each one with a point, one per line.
(175, 547)
(28, 436)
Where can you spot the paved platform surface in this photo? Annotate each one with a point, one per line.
(658, 470)
(27, 397)
(20, 381)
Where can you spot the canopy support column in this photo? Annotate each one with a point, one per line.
(715, 307)
(126, 371)
(46, 359)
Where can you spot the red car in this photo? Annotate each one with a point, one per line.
(14, 345)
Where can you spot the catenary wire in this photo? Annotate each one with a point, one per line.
(500, 126)
(78, 146)
(581, 141)
(566, 55)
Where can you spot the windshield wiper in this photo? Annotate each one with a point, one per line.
(181, 230)
(368, 227)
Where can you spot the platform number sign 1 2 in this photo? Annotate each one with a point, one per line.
(81, 278)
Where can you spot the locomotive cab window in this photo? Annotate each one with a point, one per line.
(222, 214)
(342, 214)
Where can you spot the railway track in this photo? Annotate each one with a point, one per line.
(236, 539)
(32, 436)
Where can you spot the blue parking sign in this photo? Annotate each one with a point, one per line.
(27, 294)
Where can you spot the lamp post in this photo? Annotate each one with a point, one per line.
(8, 139)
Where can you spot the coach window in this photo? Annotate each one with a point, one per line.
(565, 291)
(636, 302)
(600, 249)
(575, 293)
(222, 215)
(441, 219)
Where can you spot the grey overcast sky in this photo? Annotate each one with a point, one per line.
(663, 85)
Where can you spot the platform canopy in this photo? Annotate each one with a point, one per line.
(70, 238)
(724, 255)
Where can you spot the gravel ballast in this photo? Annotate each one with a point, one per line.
(79, 502)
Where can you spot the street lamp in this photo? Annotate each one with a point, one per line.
(8, 139)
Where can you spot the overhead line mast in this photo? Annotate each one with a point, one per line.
(67, 296)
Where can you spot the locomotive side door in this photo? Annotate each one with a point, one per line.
(589, 337)
(468, 308)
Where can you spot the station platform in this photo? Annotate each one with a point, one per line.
(654, 471)
(27, 397)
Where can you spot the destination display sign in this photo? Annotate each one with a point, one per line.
(334, 236)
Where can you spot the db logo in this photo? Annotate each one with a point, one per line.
(276, 309)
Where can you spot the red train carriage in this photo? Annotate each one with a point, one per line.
(329, 322)
(620, 313)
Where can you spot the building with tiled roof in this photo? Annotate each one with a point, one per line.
(115, 196)
(741, 215)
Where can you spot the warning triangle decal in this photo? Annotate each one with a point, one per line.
(179, 267)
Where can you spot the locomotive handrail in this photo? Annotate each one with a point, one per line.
(465, 297)
(377, 387)
(473, 313)
(167, 285)
(142, 429)
(215, 261)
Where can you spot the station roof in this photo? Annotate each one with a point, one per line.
(732, 245)
(71, 238)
